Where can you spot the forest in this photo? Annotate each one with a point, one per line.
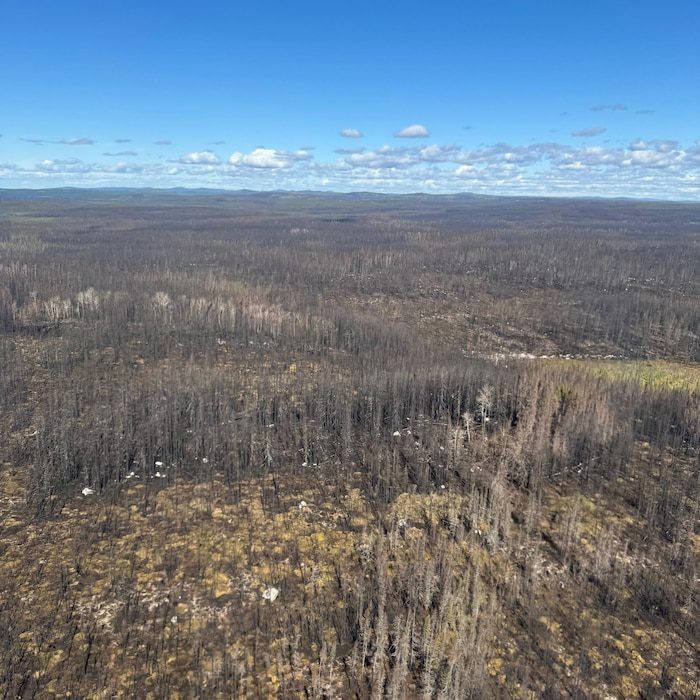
(308, 445)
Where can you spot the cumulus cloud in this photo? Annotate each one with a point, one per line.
(533, 168)
(69, 165)
(642, 168)
(268, 158)
(645, 155)
(125, 169)
(662, 145)
(388, 157)
(660, 153)
(617, 107)
(414, 131)
(351, 133)
(587, 133)
(199, 158)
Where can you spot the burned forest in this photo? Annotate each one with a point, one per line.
(308, 445)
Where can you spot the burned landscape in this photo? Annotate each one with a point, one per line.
(324, 445)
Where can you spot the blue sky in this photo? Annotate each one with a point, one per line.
(594, 98)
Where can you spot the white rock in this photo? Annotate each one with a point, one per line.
(159, 464)
(302, 504)
(271, 594)
(87, 491)
(397, 433)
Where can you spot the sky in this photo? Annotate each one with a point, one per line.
(516, 97)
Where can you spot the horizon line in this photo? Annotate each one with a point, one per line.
(417, 193)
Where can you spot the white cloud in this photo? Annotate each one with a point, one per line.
(499, 154)
(268, 158)
(642, 168)
(66, 165)
(82, 141)
(125, 168)
(199, 158)
(351, 133)
(415, 131)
